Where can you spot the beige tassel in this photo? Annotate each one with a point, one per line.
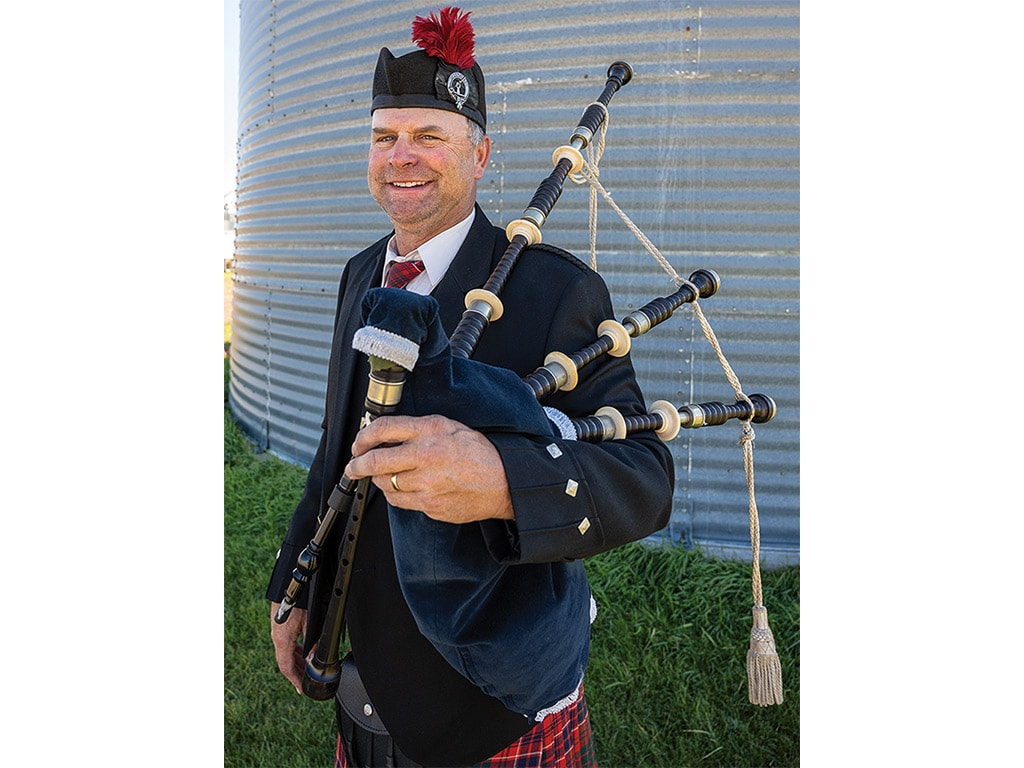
(764, 671)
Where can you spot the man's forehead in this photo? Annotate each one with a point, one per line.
(418, 118)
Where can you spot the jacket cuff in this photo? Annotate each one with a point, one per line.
(554, 509)
(281, 576)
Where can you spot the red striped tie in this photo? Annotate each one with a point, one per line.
(401, 272)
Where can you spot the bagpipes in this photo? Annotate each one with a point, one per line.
(402, 335)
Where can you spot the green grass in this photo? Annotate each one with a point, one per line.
(227, 297)
(667, 678)
(666, 682)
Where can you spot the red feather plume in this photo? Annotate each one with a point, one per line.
(449, 37)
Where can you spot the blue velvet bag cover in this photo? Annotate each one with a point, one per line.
(520, 632)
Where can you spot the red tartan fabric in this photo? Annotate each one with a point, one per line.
(401, 272)
(562, 740)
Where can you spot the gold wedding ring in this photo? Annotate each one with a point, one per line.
(394, 482)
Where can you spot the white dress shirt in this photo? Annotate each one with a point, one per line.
(436, 254)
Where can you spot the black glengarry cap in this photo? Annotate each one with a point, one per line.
(443, 74)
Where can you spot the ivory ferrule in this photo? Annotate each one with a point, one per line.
(485, 304)
(572, 154)
(563, 369)
(614, 420)
(618, 335)
(528, 228)
(670, 420)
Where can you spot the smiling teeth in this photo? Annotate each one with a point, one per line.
(408, 183)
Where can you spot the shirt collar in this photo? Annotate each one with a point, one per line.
(436, 254)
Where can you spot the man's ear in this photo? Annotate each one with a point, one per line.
(483, 152)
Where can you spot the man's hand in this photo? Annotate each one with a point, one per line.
(287, 646)
(440, 467)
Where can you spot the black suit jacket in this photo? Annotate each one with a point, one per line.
(552, 301)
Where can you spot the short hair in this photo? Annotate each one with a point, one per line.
(476, 133)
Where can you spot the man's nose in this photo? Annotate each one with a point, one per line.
(402, 151)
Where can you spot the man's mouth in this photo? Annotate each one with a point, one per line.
(408, 184)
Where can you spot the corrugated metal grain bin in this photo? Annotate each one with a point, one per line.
(702, 153)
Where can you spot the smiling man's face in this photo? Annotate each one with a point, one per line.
(423, 170)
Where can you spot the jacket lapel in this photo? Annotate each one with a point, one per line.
(469, 269)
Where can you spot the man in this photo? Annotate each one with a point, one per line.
(536, 507)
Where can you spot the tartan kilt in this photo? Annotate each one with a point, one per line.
(562, 740)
